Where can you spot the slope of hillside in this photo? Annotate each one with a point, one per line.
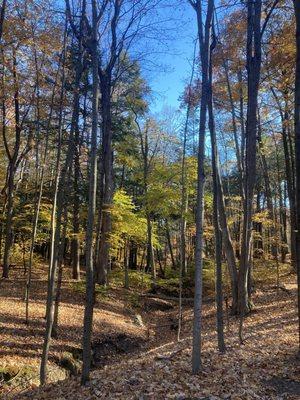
(264, 368)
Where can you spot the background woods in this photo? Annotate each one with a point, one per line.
(118, 212)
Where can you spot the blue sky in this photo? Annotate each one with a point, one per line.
(168, 83)
(172, 56)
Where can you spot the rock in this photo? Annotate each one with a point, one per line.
(137, 320)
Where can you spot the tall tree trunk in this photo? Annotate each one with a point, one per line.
(289, 171)
(204, 43)
(107, 165)
(268, 193)
(253, 69)
(126, 266)
(61, 261)
(168, 234)
(13, 161)
(242, 117)
(39, 192)
(59, 205)
(8, 221)
(184, 192)
(90, 284)
(297, 151)
(78, 67)
(75, 261)
(216, 224)
(75, 253)
(150, 250)
(56, 224)
(238, 150)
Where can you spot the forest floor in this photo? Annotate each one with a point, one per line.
(142, 359)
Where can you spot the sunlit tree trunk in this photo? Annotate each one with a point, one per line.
(60, 190)
(40, 188)
(204, 43)
(90, 284)
(106, 85)
(216, 203)
(289, 171)
(61, 261)
(102, 264)
(12, 168)
(168, 234)
(297, 151)
(253, 69)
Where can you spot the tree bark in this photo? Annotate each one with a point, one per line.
(56, 222)
(14, 159)
(204, 43)
(253, 70)
(90, 284)
(40, 187)
(297, 152)
(216, 203)
(168, 234)
(289, 171)
(107, 165)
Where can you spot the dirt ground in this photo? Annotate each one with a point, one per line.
(264, 367)
(115, 314)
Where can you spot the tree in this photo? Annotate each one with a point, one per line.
(204, 43)
(88, 313)
(297, 148)
(127, 20)
(216, 206)
(253, 71)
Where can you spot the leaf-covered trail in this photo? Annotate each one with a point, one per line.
(21, 344)
(264, 368)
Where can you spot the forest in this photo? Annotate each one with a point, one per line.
(150, 199)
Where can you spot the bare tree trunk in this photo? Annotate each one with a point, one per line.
(78, 66)
(289, 171)
(253, 68)
(61, 261)
(268, 193)
(227, 245)
(184, 193)
(107, 165)
(226, 236)
(40, 187)
(242, 117)
(150, 249)
(8, 222)
(168, 234)
(14, 160)
(283, 223)
(126, 266)
(216, 203)
(184, 202)
(54, 259)
(90, 284)
(238, 147)
(144, 142)
(56, 220)
(297, 151)
(204, 43)
(75, 261)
